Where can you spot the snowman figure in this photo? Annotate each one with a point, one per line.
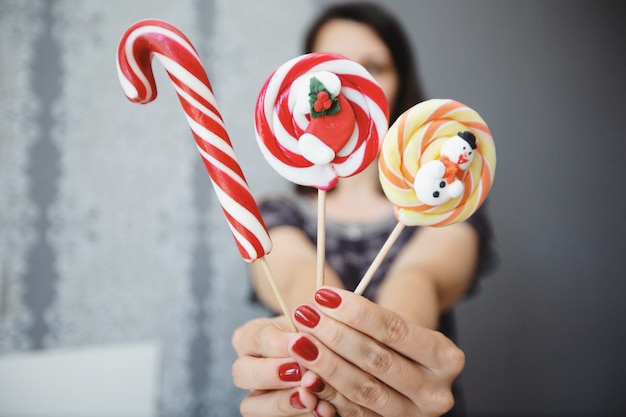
(440, 180)
(331, 120)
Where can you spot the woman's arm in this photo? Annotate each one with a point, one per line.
(293, 262)
(431, 274)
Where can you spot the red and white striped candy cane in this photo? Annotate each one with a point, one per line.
(148, 38)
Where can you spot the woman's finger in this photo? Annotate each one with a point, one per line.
(263, 337)
(427, 347)
(278, 403)
(365, 394)
(331, 399)
(254, 373)
(369, 355)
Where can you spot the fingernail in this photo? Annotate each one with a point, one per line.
(295, 402)
(289, 372)
(304, 348)
(327, 298)
(317, 386)
(307, 316)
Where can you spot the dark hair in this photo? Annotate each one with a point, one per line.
(390, 31)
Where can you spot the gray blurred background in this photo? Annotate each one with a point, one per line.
(110, 231)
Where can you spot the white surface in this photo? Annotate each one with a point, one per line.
(112, 380)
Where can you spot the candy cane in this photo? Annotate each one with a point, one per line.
(148, 38)
(320, 117)
(436, 166)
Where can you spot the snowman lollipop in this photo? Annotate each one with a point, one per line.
(436, 166)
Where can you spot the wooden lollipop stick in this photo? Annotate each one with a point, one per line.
(378, 260)
(279, 297)
(321, 237)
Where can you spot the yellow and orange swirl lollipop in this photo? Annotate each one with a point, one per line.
(436, 165)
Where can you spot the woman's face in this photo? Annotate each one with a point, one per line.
(359, 43)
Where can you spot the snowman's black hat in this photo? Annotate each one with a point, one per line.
(468, 137)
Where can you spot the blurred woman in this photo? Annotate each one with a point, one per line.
(384, 353)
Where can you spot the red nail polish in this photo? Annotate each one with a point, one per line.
(289, 372)
(304, 348)
(327, 298)
(307, 316)
(317, 386)
(295, 402)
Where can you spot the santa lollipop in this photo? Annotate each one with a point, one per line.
(320, 117)
(436, 166)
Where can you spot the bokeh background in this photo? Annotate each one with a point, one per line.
(110, 231)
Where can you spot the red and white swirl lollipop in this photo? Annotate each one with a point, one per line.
(148, 38)
(320, 117)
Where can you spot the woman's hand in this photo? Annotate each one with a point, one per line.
(357, 358)
(274, 379)
(369, 361)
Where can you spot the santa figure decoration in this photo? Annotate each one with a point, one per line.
(332, 119)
